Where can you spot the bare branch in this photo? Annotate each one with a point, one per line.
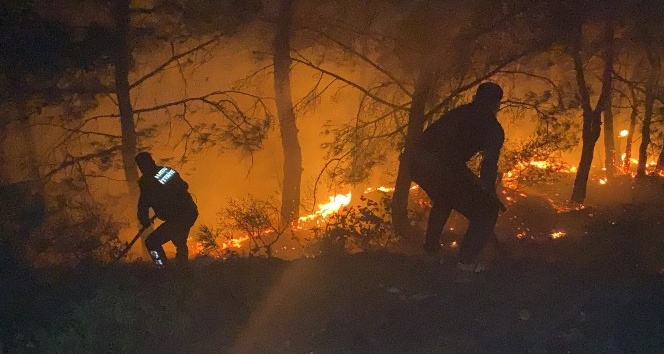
(173, 59)
(364, 58)
(540, 77)
(327, 164)
(204, 98)
(75, 160)
(461, 88)
(349, 82)
(79, 131)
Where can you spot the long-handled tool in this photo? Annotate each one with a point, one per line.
(131, 243)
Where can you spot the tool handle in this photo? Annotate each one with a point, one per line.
(131, 243)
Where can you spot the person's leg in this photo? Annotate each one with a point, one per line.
(438, 215)
(180, 242)
(154, 243)
(181, 250)
(480, 208)
(179, 238)
(480, 228)
(428, 174)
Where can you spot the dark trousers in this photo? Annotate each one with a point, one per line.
(176, 231)
(456, 187)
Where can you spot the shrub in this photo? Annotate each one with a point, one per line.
(76, 229)
(363, 227)
(253, 220)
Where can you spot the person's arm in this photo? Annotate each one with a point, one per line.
(143, 207)
(185, 185)
(490, 155)
(179, 183)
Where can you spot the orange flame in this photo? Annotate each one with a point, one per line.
(324, 210)
(234, 243)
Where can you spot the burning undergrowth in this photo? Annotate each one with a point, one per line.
(251, 227)
(360, 226)
(245, 227)
(540, 223)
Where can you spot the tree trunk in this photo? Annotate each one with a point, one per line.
(627, 162)
(290, 195)
(25, 131)
(609, 142)
(416, 120)
(647, 119)
(591, 129)
(121, 62)
(660, 160)
(659, 167)
(21, 96)
(592, 122)
(30, 165)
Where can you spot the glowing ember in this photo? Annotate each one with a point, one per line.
(522, 169)
(383, 189)
(602, 181)
(624, 133)
(540, 164)
(558, 234)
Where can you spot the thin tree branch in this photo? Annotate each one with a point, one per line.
(363, 58)
(475, 82)
(74, 160)
(173, 59)
(349, 82)
(79, 131)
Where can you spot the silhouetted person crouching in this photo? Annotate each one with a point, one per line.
(163, 190)
(439, 167)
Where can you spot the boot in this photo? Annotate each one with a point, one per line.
(159, 258)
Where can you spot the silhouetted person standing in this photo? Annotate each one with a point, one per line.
(163, 190)
(439, 167)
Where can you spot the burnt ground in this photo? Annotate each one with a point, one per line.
(599, 289)
(363, 303)
(383, 303)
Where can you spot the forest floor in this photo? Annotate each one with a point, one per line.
(598, 292)
(363, 303)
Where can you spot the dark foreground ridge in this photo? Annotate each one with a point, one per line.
(363, 303)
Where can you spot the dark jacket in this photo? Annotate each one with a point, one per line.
(167, 194)
(458, 135)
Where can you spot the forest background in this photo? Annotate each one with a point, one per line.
(292, 102)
